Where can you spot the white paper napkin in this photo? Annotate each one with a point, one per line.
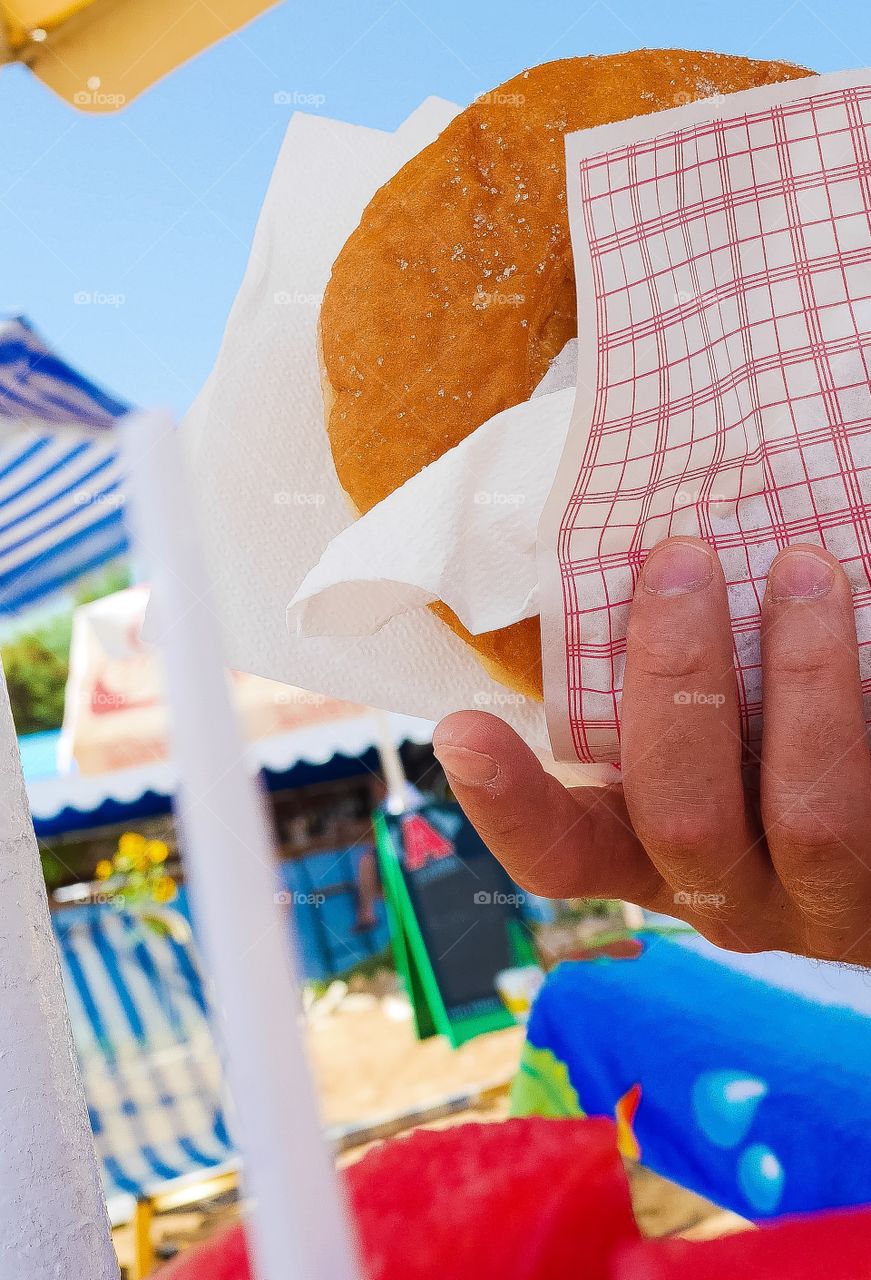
(265, 487)
(463, 530)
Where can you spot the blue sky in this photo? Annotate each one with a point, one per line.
(157, 205)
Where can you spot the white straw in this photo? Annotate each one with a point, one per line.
(299, 1226)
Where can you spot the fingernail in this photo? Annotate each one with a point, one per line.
(469, 768)
(800, 575)
(676, 568)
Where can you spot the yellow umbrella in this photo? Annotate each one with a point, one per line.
(99, 54)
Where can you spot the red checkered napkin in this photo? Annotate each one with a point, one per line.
(723, 260)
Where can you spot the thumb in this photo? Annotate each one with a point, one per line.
(551, 841)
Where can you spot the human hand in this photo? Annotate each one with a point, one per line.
(776, 857)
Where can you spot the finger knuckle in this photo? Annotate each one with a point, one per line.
(536, 866)
(810, 833)
(677, 831)
(503, 828)
(543, 881)
(548, 876)
(805, 659)
(664, 655)
(504, 838)
(749, 921)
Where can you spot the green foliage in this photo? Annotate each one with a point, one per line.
(543, 1087)
(105, 582)
(368, 968)
(35, 678)
(36, 661)
(52, 868)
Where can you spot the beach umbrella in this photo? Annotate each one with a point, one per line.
(100, 54)
(61, 501)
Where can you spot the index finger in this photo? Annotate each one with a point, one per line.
(681, 741)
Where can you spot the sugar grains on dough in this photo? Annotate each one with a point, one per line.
(450, 299)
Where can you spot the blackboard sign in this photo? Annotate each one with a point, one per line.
(455, 919)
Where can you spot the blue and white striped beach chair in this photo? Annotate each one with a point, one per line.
(151, 1071)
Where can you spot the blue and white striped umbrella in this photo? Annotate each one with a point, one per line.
(61, 499)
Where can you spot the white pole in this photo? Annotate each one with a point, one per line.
(299, 1227)
(398, 797)
(53, 1219)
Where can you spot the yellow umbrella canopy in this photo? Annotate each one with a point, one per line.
(99, 54)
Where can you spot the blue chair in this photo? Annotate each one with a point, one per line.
(151, 1071)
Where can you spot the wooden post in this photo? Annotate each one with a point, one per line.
(53, 1219)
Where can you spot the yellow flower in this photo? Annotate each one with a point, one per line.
(164, 890)
(104, 869)
(131, 844)
(157, 851)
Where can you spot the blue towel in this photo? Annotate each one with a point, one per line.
(749, 1092)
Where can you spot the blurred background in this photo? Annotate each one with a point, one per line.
(125, 228)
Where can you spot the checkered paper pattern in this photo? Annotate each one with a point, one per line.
(723, 259)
